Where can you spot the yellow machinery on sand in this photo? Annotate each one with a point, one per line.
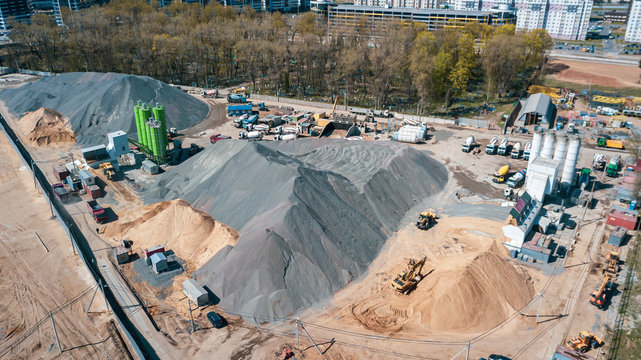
(425, 219)
(585, 342)
(108, 170)
(612, 264)
(599, 297)
(240, 90)
(407, 280)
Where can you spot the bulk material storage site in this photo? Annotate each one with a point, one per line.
(364, 234)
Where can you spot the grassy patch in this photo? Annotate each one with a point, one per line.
(627, 91)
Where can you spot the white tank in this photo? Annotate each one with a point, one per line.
(537, 140)
(561, 148)
(469, 141)
(570, 161)
(411, 138)
(548, 145)
(285, 137)
(528, 147)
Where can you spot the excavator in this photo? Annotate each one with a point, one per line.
(584, 342)
(108, 170)
(240, 90)
(612, 264)
(407, 280)
(598, 297)
(425, 219)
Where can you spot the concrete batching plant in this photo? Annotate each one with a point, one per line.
(152, 131)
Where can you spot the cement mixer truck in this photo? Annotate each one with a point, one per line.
(598, 163)
(503, 147)
(468, 144)
(500, 175)
(527, 151)
(517, 179)
(491, 147)
(285, 137)
(250, 135)
(516, 150)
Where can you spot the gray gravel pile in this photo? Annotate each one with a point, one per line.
(98, 103)
(312, 214)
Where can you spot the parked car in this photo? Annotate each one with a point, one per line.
(570, 224)
(561, 251)
(216, 320)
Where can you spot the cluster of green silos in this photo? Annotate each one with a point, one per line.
(152, 131)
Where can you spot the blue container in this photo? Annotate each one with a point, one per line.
(633, 204)
(513, 253)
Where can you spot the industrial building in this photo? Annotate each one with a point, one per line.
(523, 217)
(343, 16)
(13, 11)
(196, 293)
(536, 109)
(562, 19)
(633, 30)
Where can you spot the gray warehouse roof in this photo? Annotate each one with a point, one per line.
(540, 104)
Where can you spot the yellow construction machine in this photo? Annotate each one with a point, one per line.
(240, 90)
(407, 280)
(585, 342)
(599, 297)
(612, 264)
(108, 170)
(425, 219)
(331, 115)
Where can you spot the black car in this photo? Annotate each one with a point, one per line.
(561, 251)
(570, 224)
(216, 320)
(498, 357)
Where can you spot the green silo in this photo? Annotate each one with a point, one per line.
(159, 114)
(145, 115)
(140, 126)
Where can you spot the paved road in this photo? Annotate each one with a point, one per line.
(594, 59)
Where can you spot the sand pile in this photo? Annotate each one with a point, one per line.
(193, 235)
(475, 292)
(98, 103)
(45, 126)
(312, 214)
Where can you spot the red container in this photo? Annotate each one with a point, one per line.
(60, 172)
(152, 250)
(626, 219)
(94, 191)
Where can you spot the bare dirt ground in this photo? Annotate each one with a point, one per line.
(582, 72)
(35, 281)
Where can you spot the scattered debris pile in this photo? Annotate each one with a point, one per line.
(99, 103)
(312, 214)
(45, 126)
(193, 235)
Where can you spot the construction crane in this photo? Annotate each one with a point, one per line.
(598, 297)
(425, 219)
(584, 342)
(331, 115)
(612, 264)
(407, 280)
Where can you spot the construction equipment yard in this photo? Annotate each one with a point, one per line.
(313, 244)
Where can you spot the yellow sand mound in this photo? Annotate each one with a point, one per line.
(192, 234)
(45, 126)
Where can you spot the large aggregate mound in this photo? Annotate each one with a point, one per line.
(45, 126)
(98, 103)
(193, 235)
(312, 214)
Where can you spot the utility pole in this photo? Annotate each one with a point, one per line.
(191, 318)
(105, 296)
(55, 332)
(467, 354)
(297, 335)
(538, 309)
(91, 302)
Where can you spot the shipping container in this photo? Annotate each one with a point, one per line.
(153, 250)
(196, 293)
(94, 191)
(617, 236)
(86, 177)
(623, 218)
(121, 254)
(564, 353)
(158, 262)
(61, 172)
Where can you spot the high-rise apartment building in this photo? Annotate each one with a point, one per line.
(414, 4)
(13, 10)
(633, 31)
(483, 5)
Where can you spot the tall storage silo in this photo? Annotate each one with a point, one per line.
(537, 140)
(159, 115)
(567, 177)
(561, 148)
(154, 140)
(140, 126)
(548, 145)
(145, 112)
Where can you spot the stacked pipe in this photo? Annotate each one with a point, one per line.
(152, 130)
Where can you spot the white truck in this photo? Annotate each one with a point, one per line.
(598, 163)
(491, 147)
(516, 150)
(503, 147)
(517, 179)
(468, 144)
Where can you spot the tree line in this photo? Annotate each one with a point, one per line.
(214, 46)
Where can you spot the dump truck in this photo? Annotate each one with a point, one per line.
(598, 163)
(491, 147)
(599, 296)
(611, 264)
(425, 219)
(527, 150)
(516, 150)
(499, 177)
(613, 166)
(609, 143)
(406, 281)
(108, 170)
(468, 144)
(517, 179)
(584, 342)
(97, 212)
(503, 147)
